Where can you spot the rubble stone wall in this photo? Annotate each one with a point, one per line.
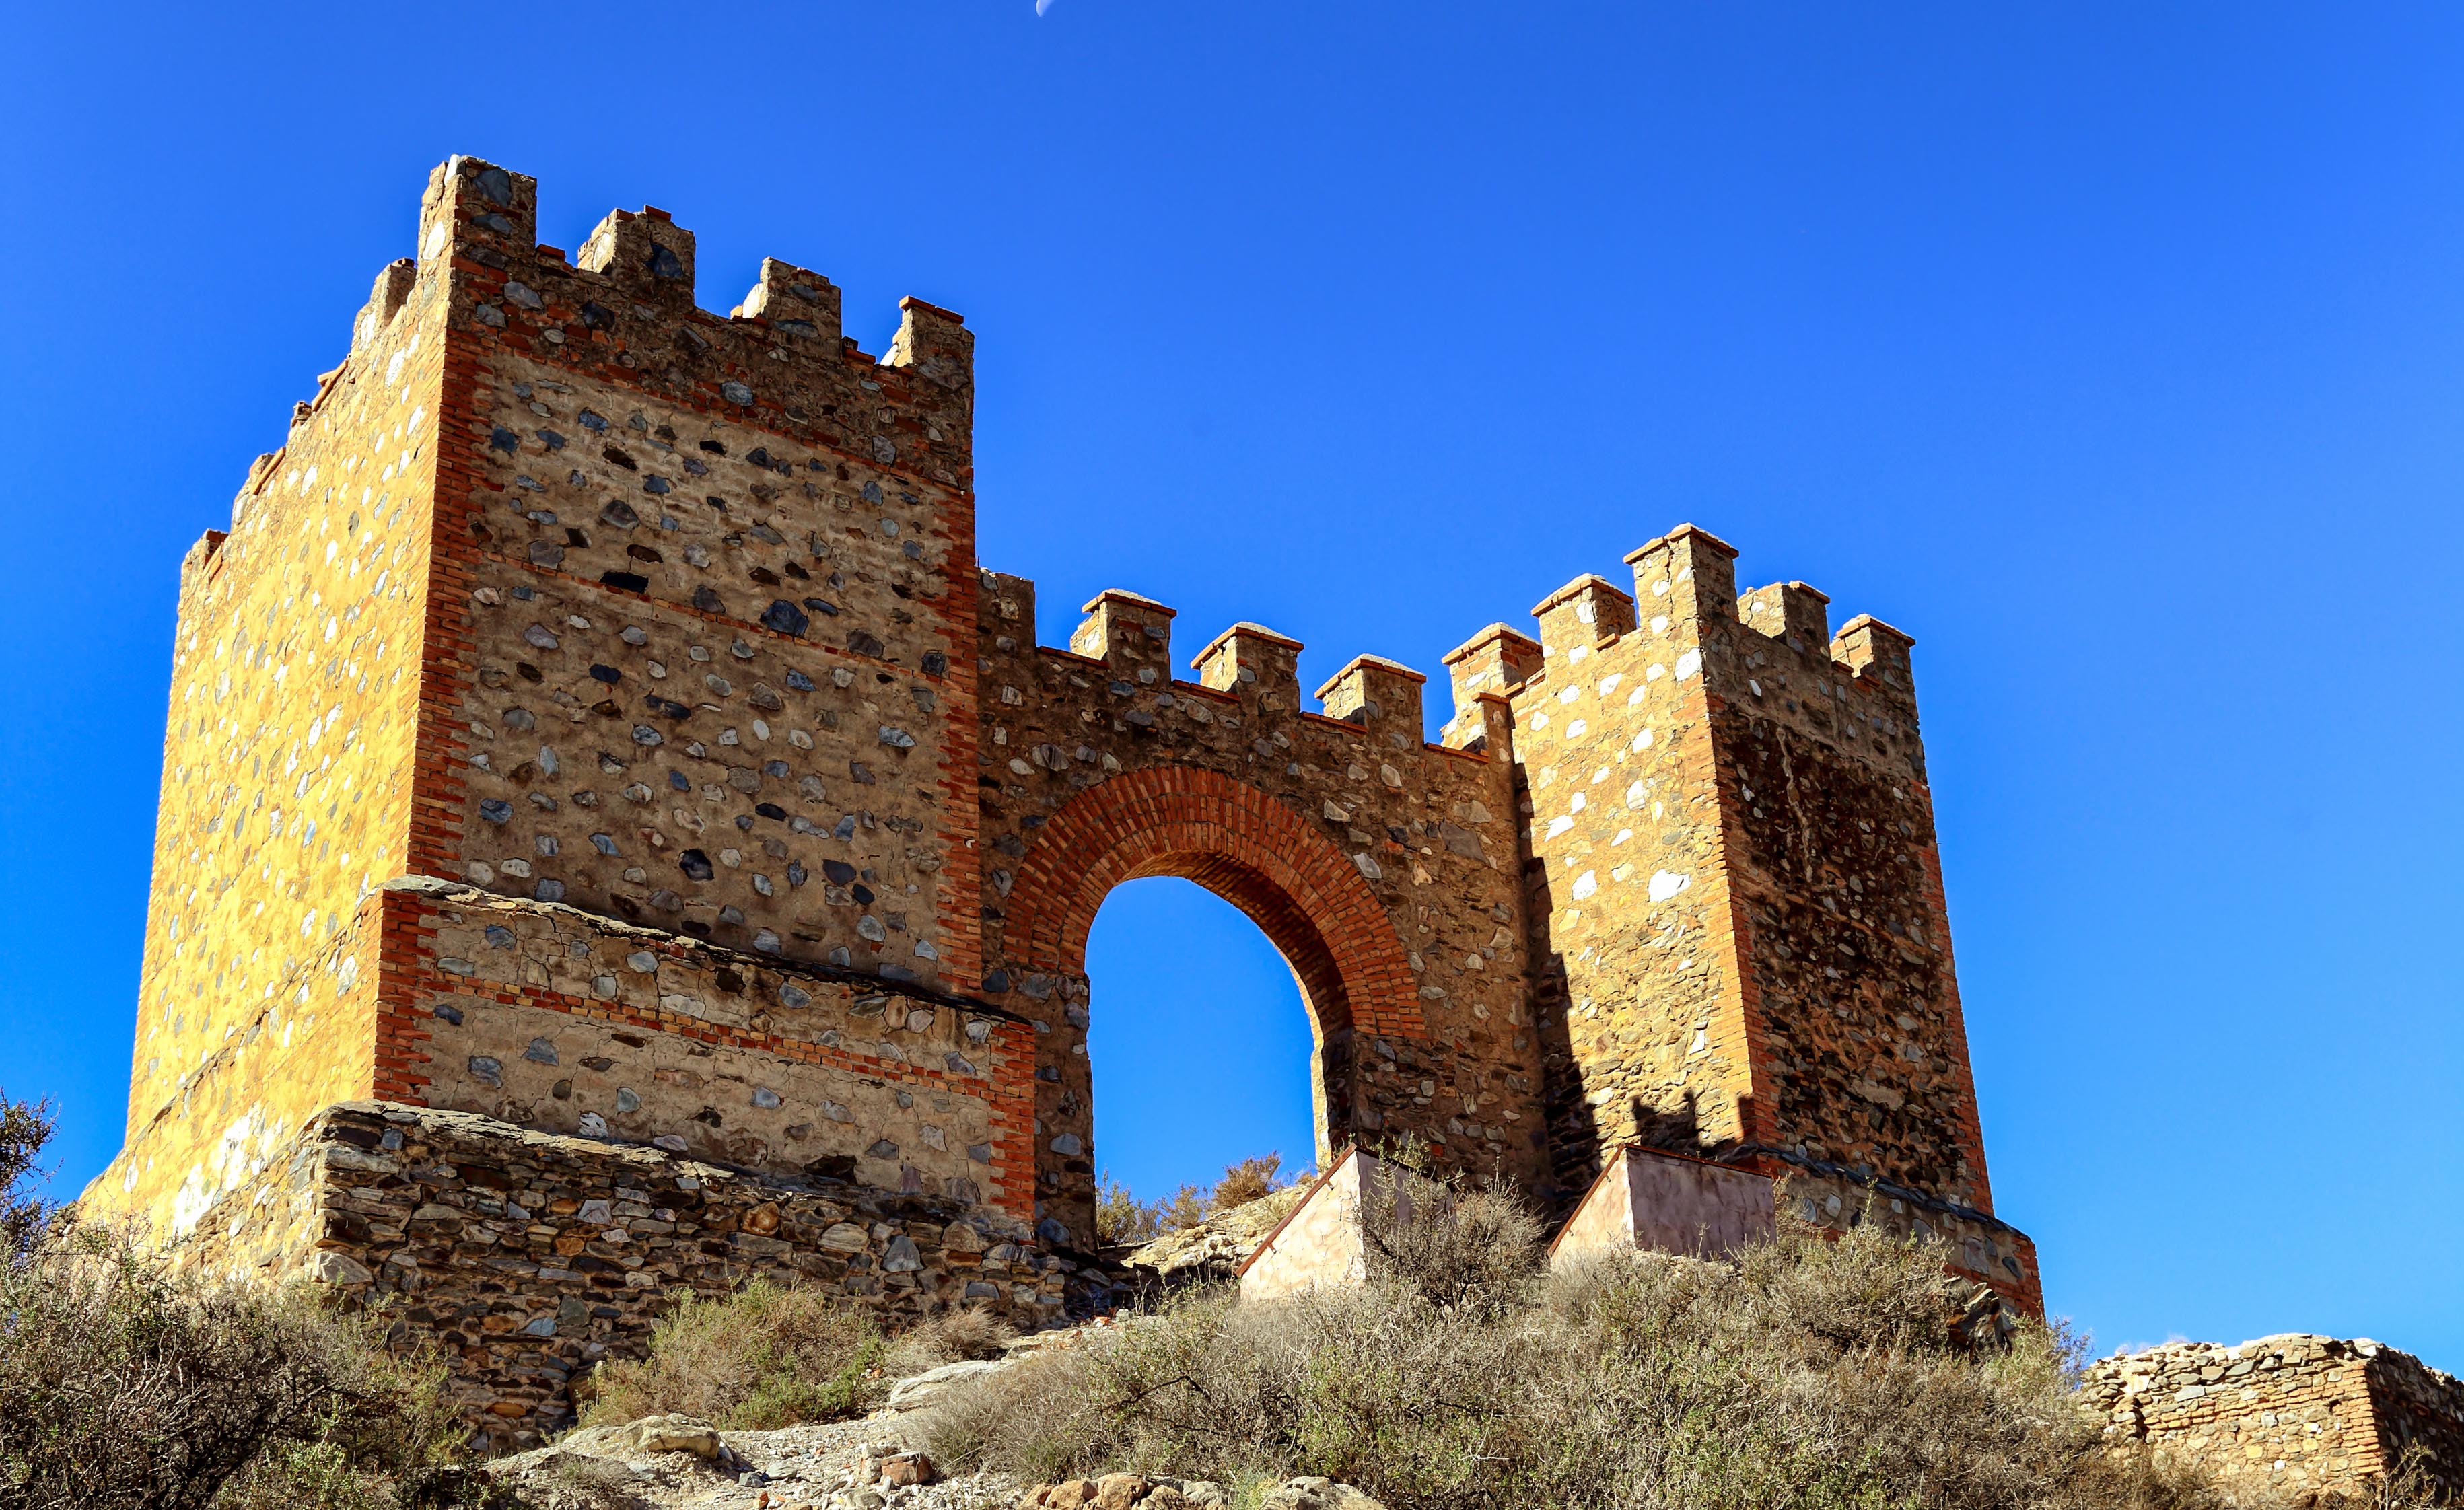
(546, 1017)
(530, 1257)
(286, 774)
(2299, 1414)
(711, 598)
(597, 718)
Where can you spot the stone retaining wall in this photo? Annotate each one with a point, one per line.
(531, 1256)
(2299, 1414)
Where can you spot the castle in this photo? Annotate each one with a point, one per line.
(616, 835)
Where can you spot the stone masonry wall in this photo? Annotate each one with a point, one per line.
(1637, 965)
(529, 1257)
(712, 595)
(597, 719)
(2299, 1415)
(286, 774)
(1733, 856)
(549, 1017)
(1347, 838)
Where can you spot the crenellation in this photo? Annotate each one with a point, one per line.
(1581, 614)
(1378, 695)
(1873, 651)
(1482, 669)
(1259, 665)
(1126, 632)
(646, 257)
(1791, 613)
(795, 301)
(479, 204)
(385, 299)
(1687, 574)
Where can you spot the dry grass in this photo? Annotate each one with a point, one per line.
(1811, 1375)
(773, 1355)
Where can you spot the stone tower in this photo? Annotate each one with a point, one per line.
(615, 836)
(1733, 869)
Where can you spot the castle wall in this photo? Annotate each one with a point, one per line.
(597, 721)
(1841, 880)
(549, 1017)
(1638, 969)
(1425, 833)
(530, 1257)
(1734, 851)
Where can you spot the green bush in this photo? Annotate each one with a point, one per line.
(1811, 1375)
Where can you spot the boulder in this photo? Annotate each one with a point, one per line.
(926, 1389)
(1316, 1494)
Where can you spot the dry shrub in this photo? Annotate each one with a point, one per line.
(1249, 1180)
(767, 1356)
(1123, 1220)
(952, 1336)
(773, 1355)
(26, 1129)
(1810, 1375)
(126, 1385)
(1482, 1258)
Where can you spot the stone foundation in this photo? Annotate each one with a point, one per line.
(2313, 1417)
(529, 1257)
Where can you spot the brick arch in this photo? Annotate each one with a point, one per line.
(1305, 894)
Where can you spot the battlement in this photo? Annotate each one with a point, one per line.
(1131, 635)
(778, 360)
(1688, 575)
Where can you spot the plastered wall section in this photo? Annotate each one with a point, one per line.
(1427, 830)
(701, 661)
(286, 776)
(1322, 1244)
(1665, 1204)
(553, 1018)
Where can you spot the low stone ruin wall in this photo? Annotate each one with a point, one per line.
(528, 1257)
(2304, 1416)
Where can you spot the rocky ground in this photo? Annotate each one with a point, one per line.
(1212, 1251)
(673, 1462)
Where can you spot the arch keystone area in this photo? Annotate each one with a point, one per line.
(1305, 894)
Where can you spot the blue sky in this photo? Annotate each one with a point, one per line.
(2115, 351)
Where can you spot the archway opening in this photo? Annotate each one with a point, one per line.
(1303, 893)
(1198, 1039)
